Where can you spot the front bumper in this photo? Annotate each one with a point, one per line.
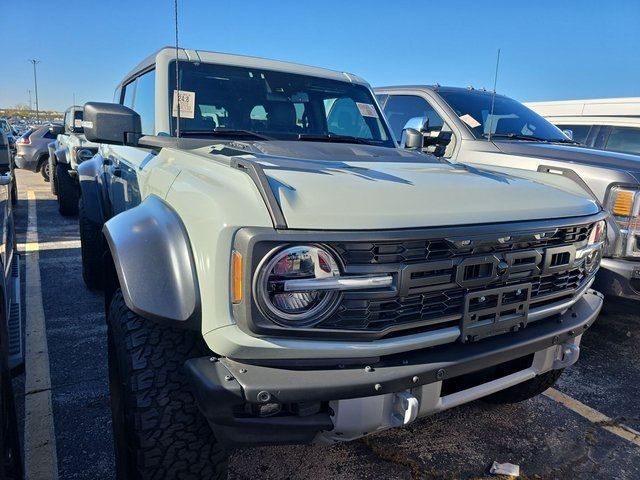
(224, 387)
(620, 278)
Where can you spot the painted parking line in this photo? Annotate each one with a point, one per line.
(62, 245)
(41, 462)
(594, 416)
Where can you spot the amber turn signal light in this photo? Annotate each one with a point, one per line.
(236, 277)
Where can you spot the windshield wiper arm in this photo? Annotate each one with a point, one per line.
(517, 136)
(224, 132)
(330, 137)
(531, 138)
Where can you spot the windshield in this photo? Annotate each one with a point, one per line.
(269, 104)
(4, 124)
(510, 118)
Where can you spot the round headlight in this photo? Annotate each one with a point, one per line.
(277, 292)
(83, 155)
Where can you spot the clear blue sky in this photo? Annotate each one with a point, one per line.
(550, 49)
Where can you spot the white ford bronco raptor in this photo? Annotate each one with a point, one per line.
(69, 150)
(277, 271)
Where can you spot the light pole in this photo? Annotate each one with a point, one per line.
(35, 81)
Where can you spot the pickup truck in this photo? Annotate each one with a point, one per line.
(458, 125)
(277, 271)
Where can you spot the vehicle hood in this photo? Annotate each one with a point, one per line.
(573, 154)
(344, 186)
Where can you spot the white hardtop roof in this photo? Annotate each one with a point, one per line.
(596, 107)
(167, 54)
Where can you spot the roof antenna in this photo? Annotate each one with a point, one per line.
(175, 9)
(493, 96)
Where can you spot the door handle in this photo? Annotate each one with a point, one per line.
(116, 172)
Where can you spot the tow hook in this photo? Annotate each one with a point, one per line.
(405, 408)
(567, 355)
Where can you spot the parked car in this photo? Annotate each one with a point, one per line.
(284, 273)
(11, 353)
(474, 127)
(605, 123)
(70, 149)
(33, 152)
(10, 133)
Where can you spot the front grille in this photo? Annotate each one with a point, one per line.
(437, 275)
(439, 309)
(409, 251)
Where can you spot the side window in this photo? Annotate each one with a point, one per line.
(127, 95)
(580, 132)
(624, 139)
(399, 109)
(144, 101)
(77, 121)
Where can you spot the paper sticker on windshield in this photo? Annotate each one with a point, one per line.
(77, 123)
(187, 104)
(469, 120)
(367, 110)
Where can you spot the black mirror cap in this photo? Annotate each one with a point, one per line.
(56, 130)
(412, 139)
(111, 123)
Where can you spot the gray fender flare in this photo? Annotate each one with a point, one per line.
(52, 152)
(91, 189)
(61, 156)
(154, 263)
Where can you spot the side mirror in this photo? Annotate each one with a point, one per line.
(111, 123)
(56, 130)
(417, 123)
(412, 139)
(568, 133)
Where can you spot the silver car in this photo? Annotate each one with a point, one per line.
(32, 152)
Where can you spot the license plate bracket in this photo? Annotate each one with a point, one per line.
(495, 311)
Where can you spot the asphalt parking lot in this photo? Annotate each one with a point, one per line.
(586, 428)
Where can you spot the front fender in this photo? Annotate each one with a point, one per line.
(154, 263)
(61, 155)
(52, 152)
(91, 190)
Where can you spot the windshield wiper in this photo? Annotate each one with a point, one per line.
(331, 137)
(516, 136)
(530, 138)
(225, 132)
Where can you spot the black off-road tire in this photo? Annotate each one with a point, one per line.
(53, 183)
(159, 433)
(44, 169)
(92, 251)
(526, 390)
(68, 191)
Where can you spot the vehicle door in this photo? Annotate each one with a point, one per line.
(124, 163)
(440, 139)
(9, 446)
